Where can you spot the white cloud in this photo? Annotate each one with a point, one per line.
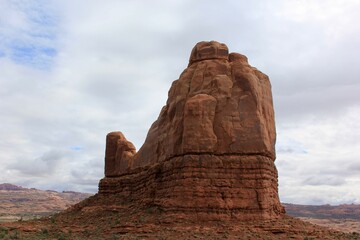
(330, 165)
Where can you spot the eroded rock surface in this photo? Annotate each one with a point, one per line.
(118, 154)
(212, 149)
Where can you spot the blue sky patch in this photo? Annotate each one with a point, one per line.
(36, 56)
(51, 52)
(34, 45)
(77, 148)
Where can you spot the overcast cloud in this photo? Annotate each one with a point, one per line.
(72, 71)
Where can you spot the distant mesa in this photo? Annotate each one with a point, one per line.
(212, 149)
(10, 187)
(13, 187)
(27, 203)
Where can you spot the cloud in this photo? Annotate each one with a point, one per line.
(330, 160)
(324, 180)
(43, 166)
(28, 33)
(354, 166)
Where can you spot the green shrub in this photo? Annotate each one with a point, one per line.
(45, 231)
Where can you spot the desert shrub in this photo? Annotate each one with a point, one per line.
(114, 237)
(153, 210)
(61, 237)
(4, 230)
(355, 235)
(45, 231)
(142, 219)
(15, 235)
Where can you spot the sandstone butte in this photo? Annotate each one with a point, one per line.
(205, 171)
(211, 151)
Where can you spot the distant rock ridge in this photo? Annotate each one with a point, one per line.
(212, 149)
(10, 187)
(342, 211)
(13, 187)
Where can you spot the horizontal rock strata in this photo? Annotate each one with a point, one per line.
(242, 187)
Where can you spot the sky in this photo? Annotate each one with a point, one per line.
(72, 71)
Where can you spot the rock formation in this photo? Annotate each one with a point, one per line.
(211, 151)
(205, 171)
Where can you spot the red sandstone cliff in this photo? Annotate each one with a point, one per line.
(212, 149)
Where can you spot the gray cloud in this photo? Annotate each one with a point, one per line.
(324, 180)
(43, 166)
(354, 167)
